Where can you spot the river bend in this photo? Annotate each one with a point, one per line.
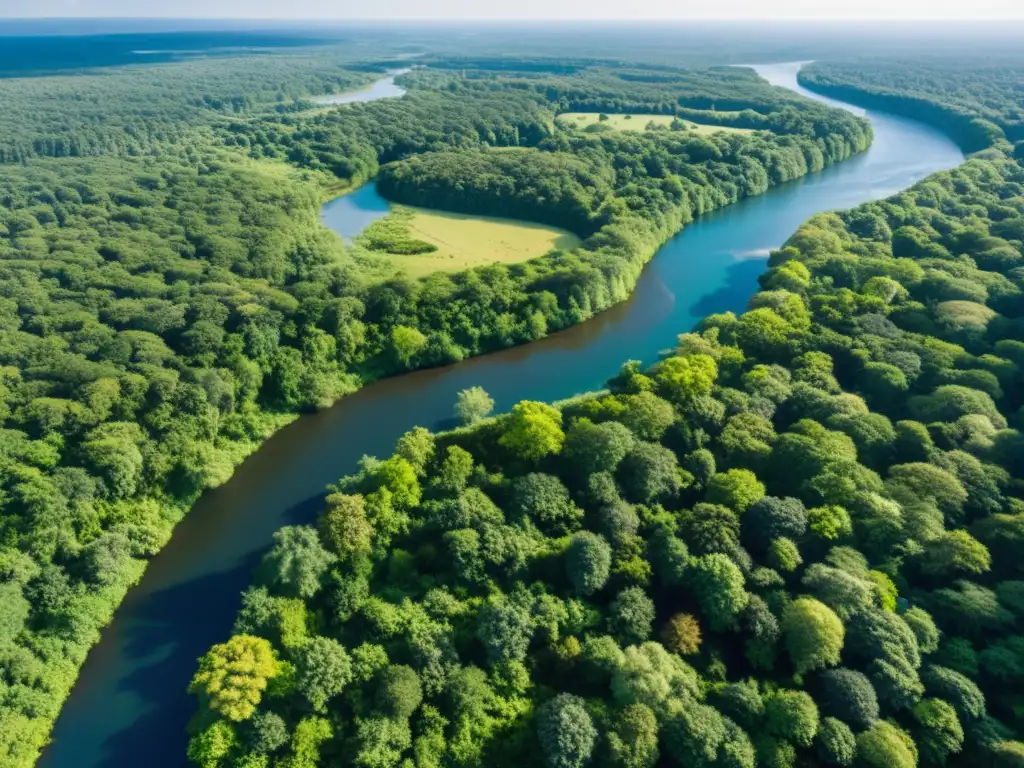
(129, 707)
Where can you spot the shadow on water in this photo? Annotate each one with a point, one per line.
(164, 640)
(129, 707)
(740, 284)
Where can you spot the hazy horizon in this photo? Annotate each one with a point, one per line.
(539, 10)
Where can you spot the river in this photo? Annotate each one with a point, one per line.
(384, 88)
(129, 707)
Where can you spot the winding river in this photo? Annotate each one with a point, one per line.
(129, 707)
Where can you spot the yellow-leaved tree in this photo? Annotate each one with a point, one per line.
(233, 675)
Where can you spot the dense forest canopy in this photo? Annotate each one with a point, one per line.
(168, 297)
(793, 541)
(977, 101)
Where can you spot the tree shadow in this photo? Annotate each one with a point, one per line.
(190, 613)
(740, 285)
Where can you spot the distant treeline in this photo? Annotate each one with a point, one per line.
(978, 104)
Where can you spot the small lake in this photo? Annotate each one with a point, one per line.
(350, 214)
(130, 706)
(382, 89)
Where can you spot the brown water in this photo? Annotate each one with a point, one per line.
(129, 707)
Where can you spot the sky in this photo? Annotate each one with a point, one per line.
(465, 10)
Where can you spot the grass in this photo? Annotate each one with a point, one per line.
(463, 241)
(639, 122)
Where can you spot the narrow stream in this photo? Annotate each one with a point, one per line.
(129, 707)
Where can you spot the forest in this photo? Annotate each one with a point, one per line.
(977, 101)
(794, 540)
(168, 297)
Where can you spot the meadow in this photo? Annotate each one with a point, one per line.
(583, 120)
(420, 241)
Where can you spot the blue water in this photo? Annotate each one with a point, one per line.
(350, 214)
(382, 89)
(129, 707)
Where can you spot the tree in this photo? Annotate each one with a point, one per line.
(380, 741)
(646, 415)
(955, 552)
(567, 735)
(619, 522)
(647, 674)
(545, 500)
(693, 734)
(746, 440)
(883, 383)
(948, 403)
(211, 745)
(632, 615)
(968, 609)
(417, 447)
(533, 431)
(814, 634)
(735, 488)
(399, 692)
(594, 448)
(830, 523)
(884, 745)
(957, 689)
(938, 733)
(771, 518)
(913, 482)
(709, 528)
(670, 557)
(297, 561)
(683, 379)
(836, 743)
(718, 585)
(650, 472)
(588, 562)
(791, 715)
(455, 470)
(1004, 660)
(398, 477)
(473, 405)
(406, 342)
(323, 670)
(923, 627)
(681, 634)
(848, 695)
(505, 626)
(740, 701)
(784, 555)
(633, 742)
(268, 732)
(630, 379)
(233, 675)
(344, 527)
(843, 592)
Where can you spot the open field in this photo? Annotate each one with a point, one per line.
(639, 122)
(463, 241)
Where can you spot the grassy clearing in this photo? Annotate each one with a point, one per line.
(639, 122)
(461, 241)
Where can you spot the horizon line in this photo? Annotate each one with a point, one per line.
(537, 20)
